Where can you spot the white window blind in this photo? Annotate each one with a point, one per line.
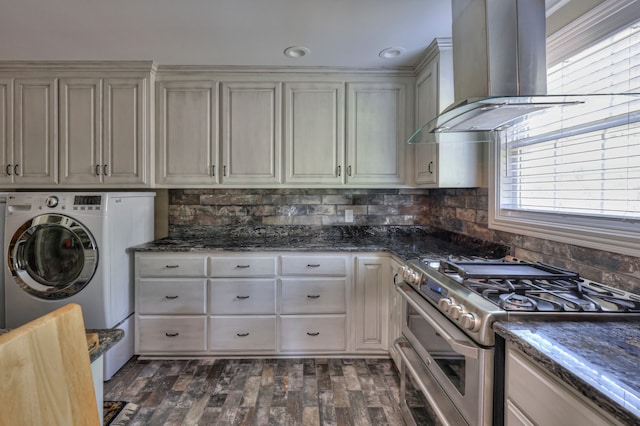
(575, 178)
(593, 171)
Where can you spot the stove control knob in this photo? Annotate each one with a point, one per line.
(456, 311)
(446, 303)
(470, 321)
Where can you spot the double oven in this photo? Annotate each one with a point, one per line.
(452, 365)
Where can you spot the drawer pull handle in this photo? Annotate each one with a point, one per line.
(171, 297)
(313, 296)
(171, 334)
(313, 265)
(242, 334)
(243, 266)
(171, 266)
(242, 297)
(317, 333)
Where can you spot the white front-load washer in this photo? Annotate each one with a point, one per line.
(71, 247)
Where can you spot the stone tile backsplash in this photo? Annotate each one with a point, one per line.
(462, 211)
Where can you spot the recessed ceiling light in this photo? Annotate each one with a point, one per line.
(296, 51)
(391, 52)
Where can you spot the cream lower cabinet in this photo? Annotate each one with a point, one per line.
(313, 303)
(534, 397)
(242, 304)
(272, 304)
(171, 303)
(395, 309)
(371, 300)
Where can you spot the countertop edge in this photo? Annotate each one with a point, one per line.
(107, 338)
(566, 375)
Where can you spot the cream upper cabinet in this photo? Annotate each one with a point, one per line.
(6, 128)
(103, 138)
(314, 133)
(251, 133)
(442, 165)
(187, 119)
(376, 133)
(31, 151)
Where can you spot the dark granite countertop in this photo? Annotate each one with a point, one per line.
(406, 242)
(599, 359)
(107, 338)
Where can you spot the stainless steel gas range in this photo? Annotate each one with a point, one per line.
(448, 347)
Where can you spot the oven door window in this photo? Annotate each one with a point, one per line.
(451, 363)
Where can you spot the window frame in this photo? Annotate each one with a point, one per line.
(600, 233)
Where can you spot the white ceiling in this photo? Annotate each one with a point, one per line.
(342, 33)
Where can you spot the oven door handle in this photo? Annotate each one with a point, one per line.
(463, 348)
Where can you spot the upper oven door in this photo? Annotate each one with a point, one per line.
(460, 367)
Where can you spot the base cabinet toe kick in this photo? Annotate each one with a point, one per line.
(254, 304)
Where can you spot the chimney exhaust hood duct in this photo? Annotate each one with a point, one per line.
(500, 69)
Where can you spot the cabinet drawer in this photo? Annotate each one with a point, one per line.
(312, 296)
(243, 266)
(255, 333)
(172, 297)
(312, 333)
(314, 265)
(171, 266)
(172, 334)
(242, 296)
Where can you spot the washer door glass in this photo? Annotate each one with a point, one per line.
(53, 256)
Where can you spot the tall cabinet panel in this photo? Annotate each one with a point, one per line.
(80, 132)
(35, 156)
(314, 133)
(126, 131)
(6, 128)
(187, 132)
(376, 133)
(251, 140)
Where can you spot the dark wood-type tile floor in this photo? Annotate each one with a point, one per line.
(259, 391)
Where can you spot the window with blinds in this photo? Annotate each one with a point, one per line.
(587, 177)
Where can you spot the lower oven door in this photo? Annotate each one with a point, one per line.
(453, 373)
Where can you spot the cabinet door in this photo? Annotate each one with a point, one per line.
(126, 139)
(35, 156)
(376, 133)
(187, 132)
(6, 129)
(314, 132)
(251, 140)
(426, 110)
(80, 130)
(372, 300)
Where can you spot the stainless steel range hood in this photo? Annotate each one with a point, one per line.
(499, 61)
